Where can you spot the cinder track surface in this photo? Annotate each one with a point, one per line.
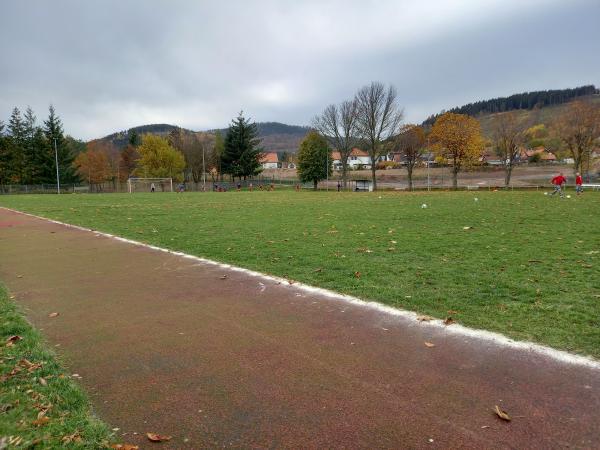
(164, 344)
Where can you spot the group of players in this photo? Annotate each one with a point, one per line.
(559, 182)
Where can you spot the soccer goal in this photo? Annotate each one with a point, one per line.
(149, 185)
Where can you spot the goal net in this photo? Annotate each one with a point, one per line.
(149, 185)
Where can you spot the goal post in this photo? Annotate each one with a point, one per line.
(149, 185)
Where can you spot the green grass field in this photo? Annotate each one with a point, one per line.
(40, 406)
(528, 268)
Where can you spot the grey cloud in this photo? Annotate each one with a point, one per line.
(110, 65)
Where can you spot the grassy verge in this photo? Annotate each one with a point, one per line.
(520, 263)
(40, 406)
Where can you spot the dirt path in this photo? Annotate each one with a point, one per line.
(164, 344)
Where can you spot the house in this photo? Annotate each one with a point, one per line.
(537, 153)
(491, 159)
(270, 160)
(358, 158)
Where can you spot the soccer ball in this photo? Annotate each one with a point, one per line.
(545, 193)
(568, 196)
(424, 205)
(476, 199)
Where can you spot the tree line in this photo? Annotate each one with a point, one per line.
(372, 121)
(525, 100)
(30, 152)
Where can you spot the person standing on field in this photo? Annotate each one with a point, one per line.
(152, 187)
(558, 182)
(578, 184)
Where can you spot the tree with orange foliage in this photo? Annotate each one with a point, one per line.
(579, 126)
(457, 137)
(410, 144)
(93, 166)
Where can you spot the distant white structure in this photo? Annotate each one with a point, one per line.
(270, 160)
(357, 158)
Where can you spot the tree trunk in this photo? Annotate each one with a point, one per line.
(455, 178)
(508, 174)
(373, 173)
(345, 172)
(315, 184)
(409, 169)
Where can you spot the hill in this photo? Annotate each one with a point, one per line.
(535, 100)
(275, 136)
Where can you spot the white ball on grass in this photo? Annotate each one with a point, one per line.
(545, 193)
(568, 196)
(476, 199)
(424, 205)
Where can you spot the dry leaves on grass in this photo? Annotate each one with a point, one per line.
(54, 314)
(124, 447)
(424, 318)
(429, 344)
(448, 320)
(154, 437)
(41, 421)
(72, 438)
(357, 274)
(502, 414)
(11, 340)
(468, 228)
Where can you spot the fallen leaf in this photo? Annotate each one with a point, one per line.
(157, 437)
(356, 274)
(124, 447)
(429, 344)
(19, 276)
(502, 414)
(41, 421)
(448, 320)
(11, 340)
(467, 228)
(54, 314)
(451, 312)
(223, 277)
(320, 269)
(43, 381)
(424, 318)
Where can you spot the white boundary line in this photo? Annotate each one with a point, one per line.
(457, 329)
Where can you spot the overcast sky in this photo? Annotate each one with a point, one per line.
(111, 65)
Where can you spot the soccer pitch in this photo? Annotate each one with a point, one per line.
(519, 263)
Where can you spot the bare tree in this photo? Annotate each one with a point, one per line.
(378, 118)
(338, 125)
(410, 144)
(579, 126)
(197, 150)
(508, 135)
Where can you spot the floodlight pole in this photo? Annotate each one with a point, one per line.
(428, 183)
(203, 172)
(57, 175)
(327, 173)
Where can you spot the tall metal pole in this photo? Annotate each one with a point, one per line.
(56, 160)
(428, 183)
(327, 172)
(203, 172)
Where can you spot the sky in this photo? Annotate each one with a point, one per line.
(108, 65)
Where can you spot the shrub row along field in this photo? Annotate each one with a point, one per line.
(520, 263)
(40, 406)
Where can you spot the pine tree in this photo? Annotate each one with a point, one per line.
(54, 135)
(133, 138)
(30, 169)
(4, 156)
(16, 134)
(241, 153)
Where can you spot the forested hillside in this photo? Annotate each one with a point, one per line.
(275, 136)
(523, 101)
